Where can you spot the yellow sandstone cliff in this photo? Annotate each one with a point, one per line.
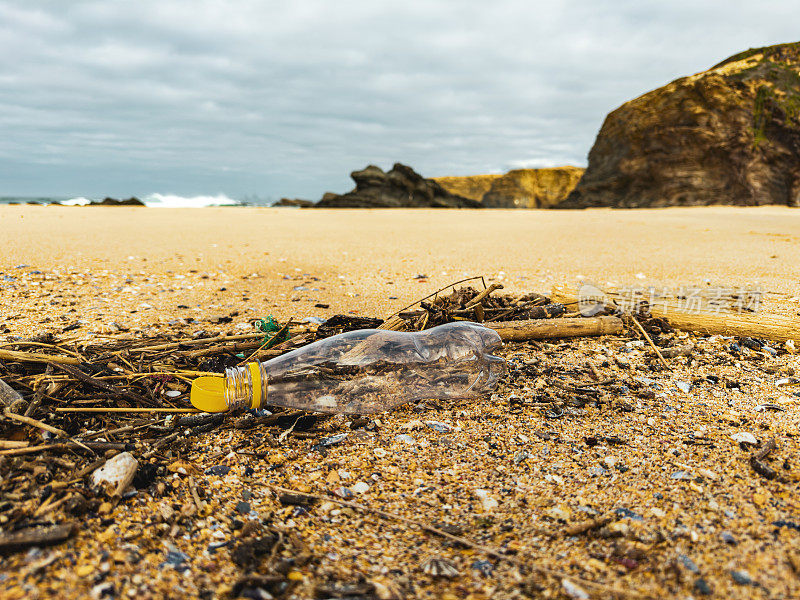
(520, 188)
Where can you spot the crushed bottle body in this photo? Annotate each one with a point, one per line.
(373, 370)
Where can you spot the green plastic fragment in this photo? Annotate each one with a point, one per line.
(270, 326)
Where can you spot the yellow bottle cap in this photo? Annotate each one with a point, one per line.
(255, 377)
(208, 394)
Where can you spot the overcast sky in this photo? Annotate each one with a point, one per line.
(286, 98)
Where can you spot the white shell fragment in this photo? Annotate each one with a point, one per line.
(744, 436)
(116, 475)
(487, 502)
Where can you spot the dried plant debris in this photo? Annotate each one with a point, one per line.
(470, 304)
(592, 471)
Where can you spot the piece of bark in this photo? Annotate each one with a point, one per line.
(35, 536)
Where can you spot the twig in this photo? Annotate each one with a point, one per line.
(650, 341)
(281, 331)
(81, 376)
(68, 444)
(758, 466)
(34, 423)
(494, 552)
(199, 341)
(437, 292)
(99, 409)
(484, 294)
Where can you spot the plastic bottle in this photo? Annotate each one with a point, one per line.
(362, 372)
(10, 398)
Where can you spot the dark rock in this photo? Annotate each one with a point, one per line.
(132, 201)
(398, 188)
(741, 578)
(218, 470)
(294, 203)
(243, 507)
(728, 135)
(247, 553)
(702, 587)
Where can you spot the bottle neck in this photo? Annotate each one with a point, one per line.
(246, 387)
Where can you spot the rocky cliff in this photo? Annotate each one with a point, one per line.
(399, 187)
(520, 188)
(728, 135)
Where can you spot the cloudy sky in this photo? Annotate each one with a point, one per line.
(286, 98)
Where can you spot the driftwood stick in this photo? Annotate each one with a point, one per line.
(17, 356)
(540, 329)
(765, 326)
(479, 298)
(35, 536)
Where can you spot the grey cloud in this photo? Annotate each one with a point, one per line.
(285, 98)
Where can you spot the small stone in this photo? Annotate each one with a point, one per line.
(573, 590)
(626, 513)
(218, 470)
(684, 386)
(487, 502)
(380, 452)
(728, 538)
(405, 438)
(243, 507)
(484, 567)
(359, 488)
(84, 570)
(759, 499)
(439, 426)
(343, 493)
(702, 586)
(681, 475)
(742, 578)
(688, 563)
(560, 512)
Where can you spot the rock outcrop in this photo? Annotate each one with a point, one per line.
(132, 201)
(728, 135)
(519, 188)
(397, 188)
(294, 203)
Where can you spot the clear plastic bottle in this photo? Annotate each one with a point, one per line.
(362, 372)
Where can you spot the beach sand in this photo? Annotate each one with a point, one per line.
(687, 514)
(369, 262)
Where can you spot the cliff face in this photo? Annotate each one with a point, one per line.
(399, 187)
(728, 135)
(520, 188)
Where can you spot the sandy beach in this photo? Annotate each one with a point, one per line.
(370, 261)
(632, 481)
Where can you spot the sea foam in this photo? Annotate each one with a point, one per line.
(167, 201)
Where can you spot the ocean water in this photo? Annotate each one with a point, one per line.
(151, 200)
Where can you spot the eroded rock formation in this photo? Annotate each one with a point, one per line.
(728, 135)
(399, 187)
(520, 188)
